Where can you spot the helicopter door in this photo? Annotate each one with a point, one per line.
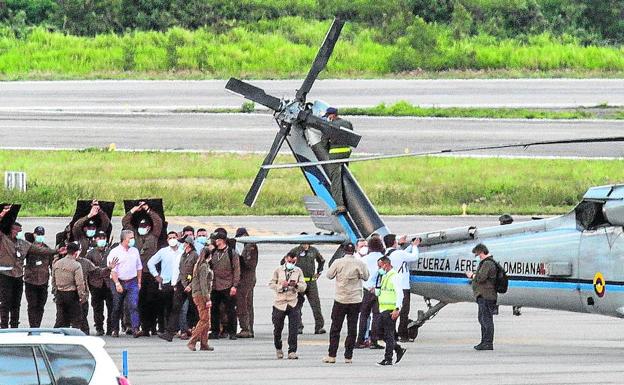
(598, 266)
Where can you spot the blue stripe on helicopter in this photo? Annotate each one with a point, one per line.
(321, 191)
(519, 283)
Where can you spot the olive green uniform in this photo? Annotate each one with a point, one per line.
(311, 262)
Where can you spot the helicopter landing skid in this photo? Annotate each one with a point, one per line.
(424, 316)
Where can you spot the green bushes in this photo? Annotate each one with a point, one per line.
(285, 48)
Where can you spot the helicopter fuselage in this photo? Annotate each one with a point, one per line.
(551, 264)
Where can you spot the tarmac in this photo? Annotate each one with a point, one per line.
(539, 347)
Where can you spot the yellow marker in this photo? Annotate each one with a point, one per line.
(600, 285)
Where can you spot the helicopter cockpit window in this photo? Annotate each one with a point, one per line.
(589, 215)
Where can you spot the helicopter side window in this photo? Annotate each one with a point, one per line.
(589, 215)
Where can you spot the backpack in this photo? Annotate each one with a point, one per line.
(502, 281)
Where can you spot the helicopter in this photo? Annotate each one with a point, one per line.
(573, 262)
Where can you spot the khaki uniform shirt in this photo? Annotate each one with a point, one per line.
(87, 243)
(13, 253)
(202, 280)
(484, 280)
(290, 297)
(350, 272)
(37, 269)
(67, 276)
(226, 270)
(146, 244)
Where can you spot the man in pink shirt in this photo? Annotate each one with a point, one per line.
(126, 278)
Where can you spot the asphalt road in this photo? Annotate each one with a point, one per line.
(254, 132)
(539, 347)
(131, 95)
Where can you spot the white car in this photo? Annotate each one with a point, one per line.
(55, 357)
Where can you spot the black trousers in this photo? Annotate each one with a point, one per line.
(369, 305)
(486, 319)
(339, 312)
(387, 327)
(68, 310)
(404, 314)
(11, 289)
(84, 307)
(99, 297)
(223, 296)
(36, 297)
(333, 171)
(177, 300)
(294, 319)
(149, 302)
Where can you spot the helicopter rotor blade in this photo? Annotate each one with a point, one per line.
(446, 151)
(333, 131)
(253, 192)
(253, 93)
(322, 57)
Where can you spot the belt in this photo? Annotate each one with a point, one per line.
(127, 280)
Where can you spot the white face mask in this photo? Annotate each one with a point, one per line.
(143, 230)
(172, 242)
(20, 235)
(363, 251)
(90, 233)
(290, 266)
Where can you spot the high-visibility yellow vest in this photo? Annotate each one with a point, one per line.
(387, 295)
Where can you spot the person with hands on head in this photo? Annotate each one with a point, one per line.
(85, 228)
(390, 297)
(147, 227)
(126, 277)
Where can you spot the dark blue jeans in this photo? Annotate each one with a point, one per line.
(486, 319)
(130, 296)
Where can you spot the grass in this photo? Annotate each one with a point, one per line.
(403, 108)
(285, 48)
(215, 184)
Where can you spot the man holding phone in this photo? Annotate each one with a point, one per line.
(287, 282)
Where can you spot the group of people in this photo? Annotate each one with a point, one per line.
(146, 289)
(207, 281)
(372, 293)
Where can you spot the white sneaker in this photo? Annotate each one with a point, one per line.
(279, 354)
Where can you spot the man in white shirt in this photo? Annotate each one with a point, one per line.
(169, 258)
(400, 260)
(126, 276)
(369, 300)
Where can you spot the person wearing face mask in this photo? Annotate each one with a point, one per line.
(147, 230)
(226, 268)
(36, 278)
(370, 306)
(99, 283)
(126, 277)
(201, 239)
(390, 297)
(85, 228)
(288, 282)
(13, 251)
(70, 289)
(483, 282)
(169, 259)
